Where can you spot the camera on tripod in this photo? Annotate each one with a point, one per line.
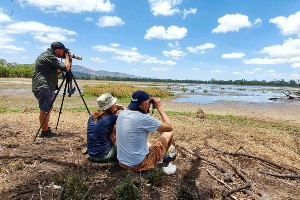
(77, 57)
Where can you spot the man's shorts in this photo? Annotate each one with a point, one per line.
(45, 98)
(156, 153)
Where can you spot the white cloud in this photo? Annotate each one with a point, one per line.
(289, 25)
(190, 11)
(159, 68)
(74, 6)
(39, 31)
(88, 19)
(4, 18)
(266, 61)
(217, 71)
(110, 21)
(295, 65)
(159, 32)
(237, 73)
(175, 54)
(290, 48)
(114, 44)
(233, 55)
(287, 53)
(201, 48)
(131, 55)
(164, 7)
(195, 68)
(258, 69)
(97, 59)
(174, 45)
(233, 22)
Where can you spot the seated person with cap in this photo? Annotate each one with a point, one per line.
(133, 127)
(101, 130)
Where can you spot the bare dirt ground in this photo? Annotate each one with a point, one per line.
(251, 148)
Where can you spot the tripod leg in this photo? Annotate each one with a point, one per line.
(80, 93)
(47, 113)
(62, 102)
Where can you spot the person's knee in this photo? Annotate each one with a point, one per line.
(167, 136)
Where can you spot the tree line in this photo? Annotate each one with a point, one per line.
(14, 70)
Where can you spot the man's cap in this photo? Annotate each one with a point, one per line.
(137, 99)
(58, 45)
(105, 101)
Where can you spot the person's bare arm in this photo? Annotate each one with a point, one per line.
(67, 61)
(166, 125)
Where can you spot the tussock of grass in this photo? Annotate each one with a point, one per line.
(183, 193)
(127, 191)
(4, 110)
(124, 91)
(155, 177)
(74, 183)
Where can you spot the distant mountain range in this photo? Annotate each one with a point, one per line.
(84, 71)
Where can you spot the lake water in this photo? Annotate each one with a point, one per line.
(209, 94)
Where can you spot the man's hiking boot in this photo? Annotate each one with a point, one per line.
(48, 134)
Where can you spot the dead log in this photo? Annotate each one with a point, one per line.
(255, 157)
(261, 194)
(214, 164)
(289, 176)
(237, 189)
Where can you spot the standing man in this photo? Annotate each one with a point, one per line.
(133, 127)
(45, 79)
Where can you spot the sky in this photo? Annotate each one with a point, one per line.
(166, 39)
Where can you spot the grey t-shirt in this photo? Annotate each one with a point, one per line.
(133, 128)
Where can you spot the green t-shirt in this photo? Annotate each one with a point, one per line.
(45, 71)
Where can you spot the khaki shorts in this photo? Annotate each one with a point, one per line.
(156, 153)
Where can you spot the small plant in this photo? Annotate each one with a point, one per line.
(127, 191)
(183, 89)
(155, 176)
(75, 186)
(184, 193)
(205, 91)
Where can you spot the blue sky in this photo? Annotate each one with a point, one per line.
(174, 39)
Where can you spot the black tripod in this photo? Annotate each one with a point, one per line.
(67, 79)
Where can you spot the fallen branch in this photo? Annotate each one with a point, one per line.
(237, 189)
(245, 178)
(290, 176)
(255, 157)
(214, 164)
(220, 181)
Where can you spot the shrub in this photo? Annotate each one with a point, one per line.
(74, 183)
(155, 176)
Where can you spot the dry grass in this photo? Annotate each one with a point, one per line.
(27, 170)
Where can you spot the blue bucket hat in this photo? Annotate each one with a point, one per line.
(137, 99)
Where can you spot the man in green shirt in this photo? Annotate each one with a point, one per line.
(45, 78)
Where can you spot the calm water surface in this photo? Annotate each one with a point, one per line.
(209, 94)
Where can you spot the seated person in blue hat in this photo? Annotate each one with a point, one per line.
(101, 130)
(133, 127)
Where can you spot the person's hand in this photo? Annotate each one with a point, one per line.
(120, 107)
(157, 102)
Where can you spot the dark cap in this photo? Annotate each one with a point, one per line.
(137, 99)
(57, 45)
